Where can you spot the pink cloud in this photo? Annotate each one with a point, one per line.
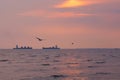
(34, 13)
(47, 14)
(67, 15)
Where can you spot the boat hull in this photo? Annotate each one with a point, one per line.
(50, 48)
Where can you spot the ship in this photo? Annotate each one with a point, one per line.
(22, 47)
(53, 47)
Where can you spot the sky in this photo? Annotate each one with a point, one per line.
(86, 23)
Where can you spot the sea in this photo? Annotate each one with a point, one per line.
(63, 64)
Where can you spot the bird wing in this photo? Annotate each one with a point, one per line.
(39, 39)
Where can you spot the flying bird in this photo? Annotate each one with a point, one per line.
(72, 43)
(39, 39)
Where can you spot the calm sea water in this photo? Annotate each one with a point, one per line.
(78, 64)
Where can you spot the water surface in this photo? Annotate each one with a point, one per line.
(65, 64)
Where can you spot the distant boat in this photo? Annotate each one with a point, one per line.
(54, 47)
(17, 47)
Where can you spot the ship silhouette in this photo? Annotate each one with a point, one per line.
(22, 47)
(53, 47)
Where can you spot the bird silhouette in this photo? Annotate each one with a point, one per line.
(72, 43)
(39, 39)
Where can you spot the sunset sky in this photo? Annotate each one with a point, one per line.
(87, 23)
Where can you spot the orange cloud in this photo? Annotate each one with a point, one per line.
(75, 3)
(71, 3)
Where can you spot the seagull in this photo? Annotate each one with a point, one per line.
(39, 39)
(72, 43)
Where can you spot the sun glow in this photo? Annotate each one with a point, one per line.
(71, 3)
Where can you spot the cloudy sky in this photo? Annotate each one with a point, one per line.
(87, 23)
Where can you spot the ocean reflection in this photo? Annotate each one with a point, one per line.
(60, 65)
(71, 72)
(72, 69)
(75, 78)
